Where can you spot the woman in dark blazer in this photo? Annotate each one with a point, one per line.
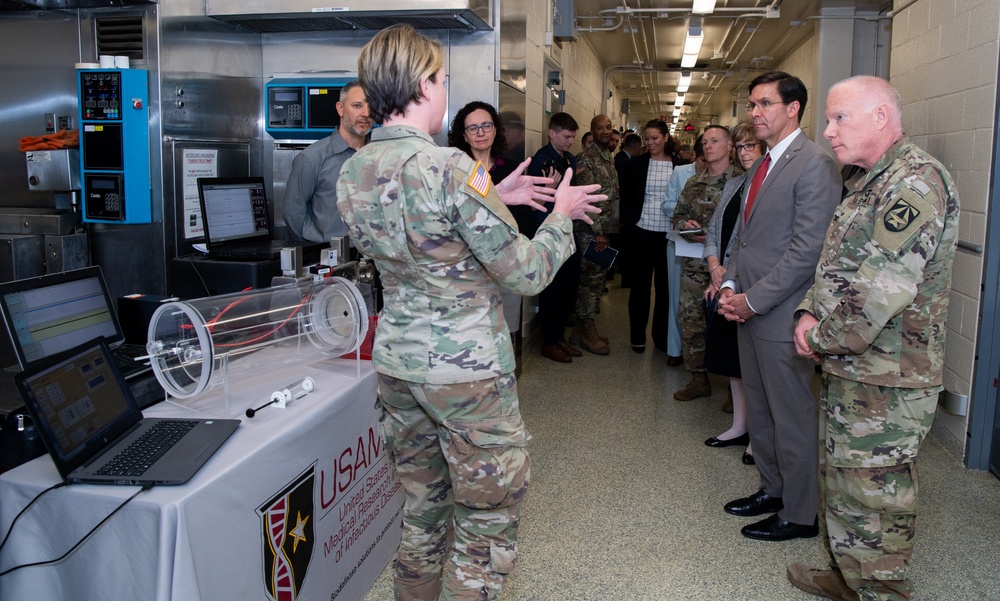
(644, 190)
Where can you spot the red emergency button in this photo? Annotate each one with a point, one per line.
(137, 103)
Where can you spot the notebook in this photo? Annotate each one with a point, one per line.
(51, 313)
(95, 432)
(237, 219)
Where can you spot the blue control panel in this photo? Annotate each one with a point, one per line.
(114, 145)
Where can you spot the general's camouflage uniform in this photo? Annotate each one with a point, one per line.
(595, 166)
(443, 354)
(881, 297)
(698, 199)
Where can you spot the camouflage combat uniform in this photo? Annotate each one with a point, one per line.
(881, 297)
(450, 416)
(595, 166)
(697, 201)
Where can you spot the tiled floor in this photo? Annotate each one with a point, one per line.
(626, 500)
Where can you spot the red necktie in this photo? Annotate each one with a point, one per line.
(758, 179)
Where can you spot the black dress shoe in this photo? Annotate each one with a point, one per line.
(743, 440)
(673, 361)
(758, 503)
(747, 459)
(777, 529)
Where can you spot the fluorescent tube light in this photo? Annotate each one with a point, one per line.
(703, 7)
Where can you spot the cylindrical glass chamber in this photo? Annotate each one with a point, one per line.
(190, 341)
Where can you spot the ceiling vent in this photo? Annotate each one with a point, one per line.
(120, 36)
(280, 16)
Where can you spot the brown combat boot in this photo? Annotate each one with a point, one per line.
(591, 341)
(576, 336)
(698, 387)
(828, 583)
(603, 339)
(727, 407)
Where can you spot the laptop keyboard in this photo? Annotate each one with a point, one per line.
(249, 251)
(127, 353)
(136, 458)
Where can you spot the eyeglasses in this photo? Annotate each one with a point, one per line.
(474, 129)
(763, 104)
(746, 147)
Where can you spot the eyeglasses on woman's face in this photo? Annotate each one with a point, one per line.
(486, 128)
(746, 147)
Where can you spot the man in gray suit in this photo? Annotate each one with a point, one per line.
(788, 205)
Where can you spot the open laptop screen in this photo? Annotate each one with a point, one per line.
(235, 210)
(49, 314)
(80, 402)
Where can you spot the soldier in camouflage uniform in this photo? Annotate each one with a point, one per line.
(445, 244)
(694, 210)
(595, 166)
(875, 317)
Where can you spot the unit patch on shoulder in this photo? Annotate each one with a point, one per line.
(905, 216)
(900, 216)
(480, 179)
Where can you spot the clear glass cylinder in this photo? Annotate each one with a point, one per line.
(191, 341)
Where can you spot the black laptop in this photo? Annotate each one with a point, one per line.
(95, 432)
(237, 219)
(51, 313)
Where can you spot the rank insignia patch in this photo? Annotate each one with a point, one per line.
(900, 216)
(480, 180)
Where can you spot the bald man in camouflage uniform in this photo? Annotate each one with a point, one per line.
(595, 166)
(695, 207)
(875, 316)
(445, 243)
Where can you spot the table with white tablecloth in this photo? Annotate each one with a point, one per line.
(302, 502)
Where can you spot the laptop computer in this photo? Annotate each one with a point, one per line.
(237, 219)
(51, 313)
(95, 432)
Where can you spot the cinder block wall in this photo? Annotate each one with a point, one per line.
(583, 75)
(944, 63)
(802, 64)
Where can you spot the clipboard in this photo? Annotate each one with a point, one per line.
(605, 258)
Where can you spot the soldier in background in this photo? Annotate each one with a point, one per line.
(445, 243)
(595, 166)
(693, 213)
(875, 318)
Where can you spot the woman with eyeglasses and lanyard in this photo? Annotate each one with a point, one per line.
(477, 130)
(722, 355)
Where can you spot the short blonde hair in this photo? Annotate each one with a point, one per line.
(744, 131)
(391, 67)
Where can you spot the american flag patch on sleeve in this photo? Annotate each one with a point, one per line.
(480, 180)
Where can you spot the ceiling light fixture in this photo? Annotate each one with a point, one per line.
(684, 83)
(677, 111)
(703, 7)
(680, 100)
(692, 43)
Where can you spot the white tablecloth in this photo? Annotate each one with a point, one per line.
(320, 462)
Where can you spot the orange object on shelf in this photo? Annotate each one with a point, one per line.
(63, 138)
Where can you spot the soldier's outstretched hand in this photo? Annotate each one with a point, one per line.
(576, 202)
(520, 189)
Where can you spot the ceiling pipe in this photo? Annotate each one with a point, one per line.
(626, 11)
